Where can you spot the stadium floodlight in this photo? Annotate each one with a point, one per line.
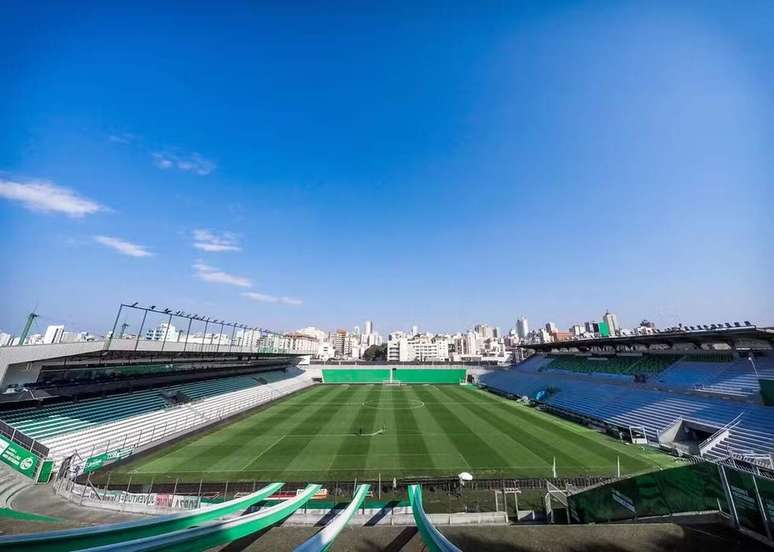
(134, 304)
(153, 307)
(747, 323)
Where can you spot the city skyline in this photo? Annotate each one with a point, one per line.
(545, 161)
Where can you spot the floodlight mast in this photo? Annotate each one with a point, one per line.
(261, 333)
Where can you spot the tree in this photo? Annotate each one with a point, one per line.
(376, 352)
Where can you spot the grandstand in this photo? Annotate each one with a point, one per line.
(156, 437)
(715, 395)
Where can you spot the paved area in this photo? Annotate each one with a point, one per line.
(41, 499)
(655, 537)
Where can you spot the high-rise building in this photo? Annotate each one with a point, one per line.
(484, 330)
(550, 327)
(53, 334)
(522, 328)
(612, 322)
(342, 344)
(414, 330)
(369, 327)
(164, 331)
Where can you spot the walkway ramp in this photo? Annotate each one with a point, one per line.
(78, 539)
(214, 533)
(323, 540)
(433, 538)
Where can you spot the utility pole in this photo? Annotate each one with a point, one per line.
(30, 319)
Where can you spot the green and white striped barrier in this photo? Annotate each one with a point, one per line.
(323, 540)
(214, 533)
(433, 538)
(78, 539)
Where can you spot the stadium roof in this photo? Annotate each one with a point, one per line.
(750, 337)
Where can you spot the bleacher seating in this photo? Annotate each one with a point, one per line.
(613, 364)
(631, 404)
(47, 422)
(150, 427)
(723, 376)
(144, 416)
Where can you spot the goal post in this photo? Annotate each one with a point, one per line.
(637, 435)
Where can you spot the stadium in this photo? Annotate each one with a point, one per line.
(640, 442)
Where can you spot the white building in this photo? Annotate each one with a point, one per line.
(522, 328)
(163, 331)
(612, 322)
(418, 348)
(326, 351)
(53, 334)
(369, 327)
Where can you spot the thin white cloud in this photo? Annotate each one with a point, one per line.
(193, 163)
(123, 247)
(122, 138)
(46, 197)
(211, 274)
(215, 243)
(263, 298)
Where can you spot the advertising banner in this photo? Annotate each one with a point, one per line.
(156, 500)
(20, 459)
(96, 462)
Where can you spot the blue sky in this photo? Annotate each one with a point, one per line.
(438, 165)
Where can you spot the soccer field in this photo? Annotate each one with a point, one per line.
(331, 432)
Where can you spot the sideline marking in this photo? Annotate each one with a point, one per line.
(262, 452)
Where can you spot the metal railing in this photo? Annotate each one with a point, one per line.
(25, 441)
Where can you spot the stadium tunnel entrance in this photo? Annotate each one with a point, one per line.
(686, 436)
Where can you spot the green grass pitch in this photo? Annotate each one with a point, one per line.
(336, 432)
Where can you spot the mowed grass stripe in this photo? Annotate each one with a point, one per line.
(207, 450)
(240, 439)
(364, 419)
(572, 450)
(308, 437)
(471, 447)
(521, 456)
(594, 445)
(412, 448)
(292, 452)
(441, 447)
(539, 444)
